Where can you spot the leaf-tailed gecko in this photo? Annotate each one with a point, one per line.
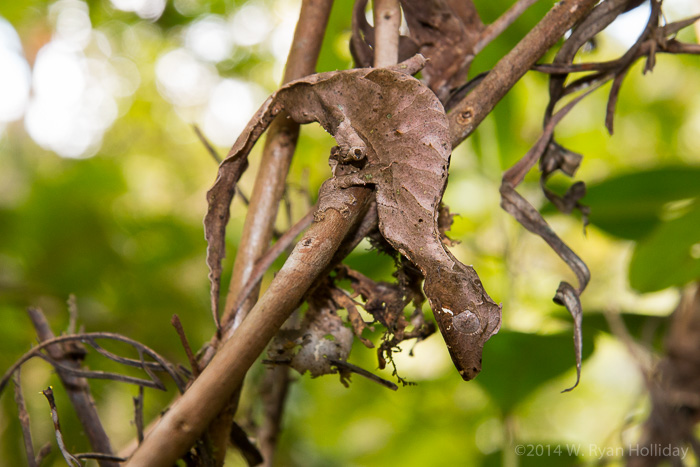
(393, 134)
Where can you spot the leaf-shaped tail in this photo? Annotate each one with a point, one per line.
(220, 195)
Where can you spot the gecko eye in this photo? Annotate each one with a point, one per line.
(466, 322)
(357, 153)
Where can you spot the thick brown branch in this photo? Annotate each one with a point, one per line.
(266, 260)
(472, 110)
(268, 190)
(182, 425)
(276, 159)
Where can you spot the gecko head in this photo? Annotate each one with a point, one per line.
(466, 332)
(466, 322)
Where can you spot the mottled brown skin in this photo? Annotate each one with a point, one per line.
(392, 132)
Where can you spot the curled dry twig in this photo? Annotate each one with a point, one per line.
(532, 220)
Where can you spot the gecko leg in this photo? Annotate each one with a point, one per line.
(333, 193)
(369, 175)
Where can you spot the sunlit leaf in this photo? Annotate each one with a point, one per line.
(631, 205)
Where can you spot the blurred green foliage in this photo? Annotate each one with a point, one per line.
(122, 230)
(631, 205)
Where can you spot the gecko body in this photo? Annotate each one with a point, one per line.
(393, 134)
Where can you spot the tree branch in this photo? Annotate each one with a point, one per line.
(269, 257)
(472, 110)
(186, 420)
(274, 395)
(276, 159)
(387, 19)
(268, 192)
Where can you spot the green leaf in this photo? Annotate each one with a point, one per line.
(631, 205)
(515, 364)
(670, 256)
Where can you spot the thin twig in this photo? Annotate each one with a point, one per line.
(116, 358)
(24, 421)
(43, 453)
(88, 338)
(672, 47)
(273, 393)
(502, 23)
(342, 365)
(138, 415)
(70, 459)
(210, 149)
(97, 374)
(66, 357)
(387, 19)
(175, 321)
(100, 456)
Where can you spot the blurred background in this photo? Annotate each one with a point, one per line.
(102, 184)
